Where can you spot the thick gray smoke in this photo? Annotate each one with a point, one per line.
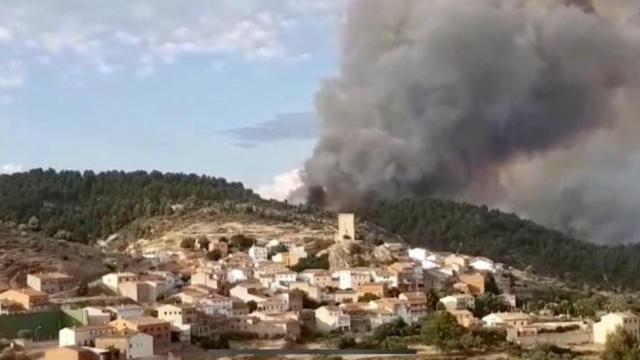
(523, 104)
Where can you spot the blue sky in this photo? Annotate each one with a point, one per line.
(221, 87)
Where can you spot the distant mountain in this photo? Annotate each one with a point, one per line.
(477, 230)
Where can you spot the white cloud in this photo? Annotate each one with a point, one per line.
(12, 74)
(11, 168)
(5, 35)
(282, 185)
(108, 35)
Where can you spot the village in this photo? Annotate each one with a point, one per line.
(269, 289)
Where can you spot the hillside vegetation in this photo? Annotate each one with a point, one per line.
(86, 205)
(450, 226)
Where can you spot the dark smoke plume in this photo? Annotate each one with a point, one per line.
(490, 101)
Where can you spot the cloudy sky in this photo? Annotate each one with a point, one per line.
(220, 87)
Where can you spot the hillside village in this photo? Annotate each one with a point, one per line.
(209, 291)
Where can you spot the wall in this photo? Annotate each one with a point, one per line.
(47, 323)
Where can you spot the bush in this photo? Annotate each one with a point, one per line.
(214, 255)
(621, 345)
(312, 262)
(83, 289)
(242, 242)
(215, 341)
(345, 342)
(203, 243)
(188, 243)
(441, 329)
(368, 297)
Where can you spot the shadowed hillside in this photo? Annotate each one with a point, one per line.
(450, 226)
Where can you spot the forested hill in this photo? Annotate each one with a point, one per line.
(91, 205)
(450, 226)
(85, 206)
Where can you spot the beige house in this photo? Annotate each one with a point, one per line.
(193, 294)
(272, 305)
(248, 291)
(207, 277)
(27, 298)
(345, 296)
(459, 261)
(141, 291)
(177, 314)
(97, 315)
(131, 345)
(160, 330)
(407, 273)
(50, 283)
(610, 322)
(475, 281)
(318, 277)
(312, 291)
(464, 318)
(286, 258)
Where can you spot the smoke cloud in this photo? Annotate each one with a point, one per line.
(526, 105)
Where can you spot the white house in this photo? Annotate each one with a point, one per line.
(330, 318)
(483, 264)
(507, 319)
(381, 275)
(285, 277)
(429, 264)
(236, 275)
(258, 253)
(273, 243)
(280, 257)
(419, 254)
(298, 251)
(114, 280)
(345, 279)
(82, 335)
(216, 304)
(458, 302)
(132, 345)
(610, 322)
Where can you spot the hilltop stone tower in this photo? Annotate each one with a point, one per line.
(346, 227)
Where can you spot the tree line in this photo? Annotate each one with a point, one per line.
(443, 225)
(88, 205)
